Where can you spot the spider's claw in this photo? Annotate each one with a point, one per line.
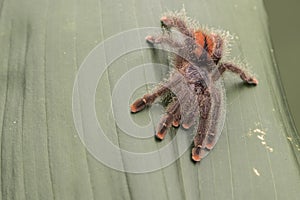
(138, 105)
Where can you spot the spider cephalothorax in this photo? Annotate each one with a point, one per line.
(197, 58)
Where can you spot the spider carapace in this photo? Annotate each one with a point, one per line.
(191, 90)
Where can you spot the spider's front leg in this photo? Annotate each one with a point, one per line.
(147, 99)
(169, 22)
(162, 40)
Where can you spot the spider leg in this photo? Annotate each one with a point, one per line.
(169, 22)
(199, 151)
(162, 40)
(168, 118)
(187, 120)
(235, 69)
(177, 117)
(147, 99)
(212, 136)
(217, 55)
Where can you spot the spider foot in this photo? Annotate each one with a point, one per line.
(197, 153)
(209, 146)
(175, 123)
(152, 40)
(138, 105)
(161, 131)
(160, 135)
(252, 81)
(188, 120)
(141, 103)
(211, 141)
(176, 120)
(163, 126)
(186, 125)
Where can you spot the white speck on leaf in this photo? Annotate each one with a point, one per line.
(259, 131)
(256, 171)
(270, 149)
(261, 137)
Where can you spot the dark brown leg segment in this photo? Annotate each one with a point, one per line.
(162, 40)
(167, 120)
(203, 128)
(213, 134)
(244, 76)
(177, 117)
(147, 100)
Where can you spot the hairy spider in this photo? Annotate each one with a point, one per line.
(191, 92)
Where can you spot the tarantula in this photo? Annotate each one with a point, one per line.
(191, 91)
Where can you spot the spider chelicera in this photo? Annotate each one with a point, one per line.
(191, 91)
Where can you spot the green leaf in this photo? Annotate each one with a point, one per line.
(42, 157)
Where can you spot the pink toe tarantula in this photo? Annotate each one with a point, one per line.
(191, 92)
